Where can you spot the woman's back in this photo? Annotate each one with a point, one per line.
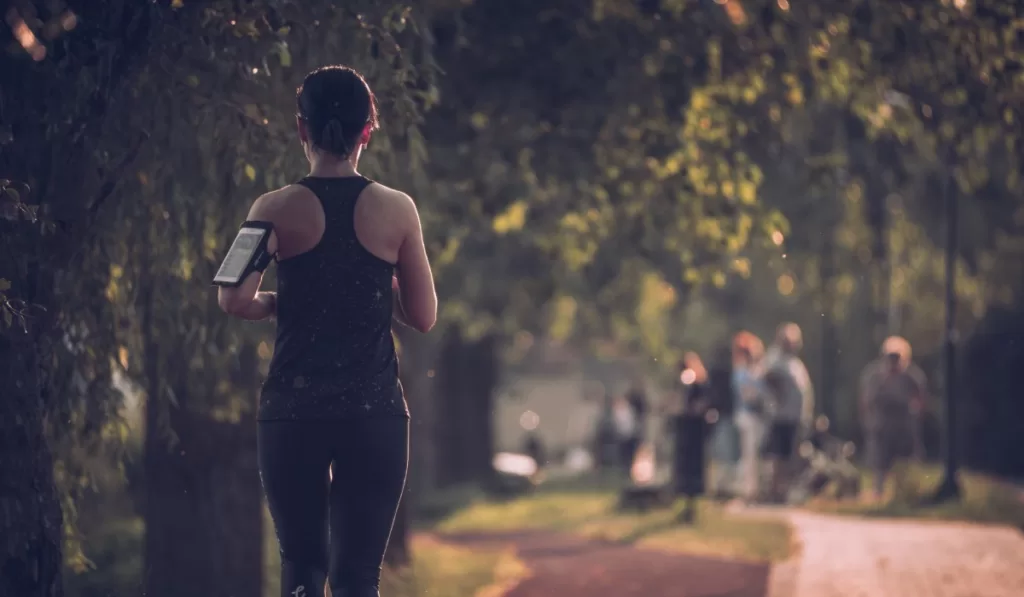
(334, 354)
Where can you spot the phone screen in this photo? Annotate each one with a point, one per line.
(239, 256)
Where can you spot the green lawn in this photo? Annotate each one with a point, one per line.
(438, 570)
(592, 513)
(985, 500)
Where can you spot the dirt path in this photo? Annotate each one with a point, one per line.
(845, 556)
(894, 558)
(565, 566)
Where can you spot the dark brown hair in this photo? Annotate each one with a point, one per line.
(337, 106)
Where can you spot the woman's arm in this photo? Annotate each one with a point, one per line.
(416, 299)
(244, 301)
(397, 311)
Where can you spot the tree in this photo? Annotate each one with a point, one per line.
(132, 202)
(51, 131)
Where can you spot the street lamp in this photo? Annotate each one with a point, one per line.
(949, 489)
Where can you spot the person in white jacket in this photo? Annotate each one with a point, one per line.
(792, 405)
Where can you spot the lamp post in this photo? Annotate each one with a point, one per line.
(949, 489)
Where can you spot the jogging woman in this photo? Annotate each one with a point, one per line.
(333, 424)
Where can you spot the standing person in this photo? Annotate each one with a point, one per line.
(637, 398)
(333, 424)
(627, 431)
(749, 396)
(892, 397)
(792, 405)
(725, 440)
(689, 426)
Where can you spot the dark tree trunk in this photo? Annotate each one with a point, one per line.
(30, 511)
(482, 376)
(203, 509)
(467, 378)
(202, 504)
(417, 361)
(418, 358)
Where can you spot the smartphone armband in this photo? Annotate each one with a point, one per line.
(248, 253)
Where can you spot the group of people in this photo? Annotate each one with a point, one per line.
(760, 419)
(768, 409)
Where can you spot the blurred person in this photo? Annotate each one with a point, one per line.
(533, 446)
(605, 449)
(333, 424)
(892, 396)
(694, 391)
(637, 398)
(725, 440)
(792, 405)
(690, 424)
(627, 431)
(749, 399)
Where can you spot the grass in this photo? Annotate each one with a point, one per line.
(591, 512)
(438, 570)
(984, 500)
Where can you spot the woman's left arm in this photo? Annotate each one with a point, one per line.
(245, 301)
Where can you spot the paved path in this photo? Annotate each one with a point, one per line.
(855, 557)
(564, 566)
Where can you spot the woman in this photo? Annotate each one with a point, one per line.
(749, 410)
(333, 424)
(690, 426)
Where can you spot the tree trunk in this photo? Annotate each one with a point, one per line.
(202, 505)
(467, 378)
(416, 364)
(482, 376)
(32, 520)
(418, 359)
(203, 509)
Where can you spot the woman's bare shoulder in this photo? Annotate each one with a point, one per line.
(393, 202)
(389, 194)
(280, 202)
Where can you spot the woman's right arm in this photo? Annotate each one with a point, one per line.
(416, 297)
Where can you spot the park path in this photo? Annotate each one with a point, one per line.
(565, 566)
(857, 557)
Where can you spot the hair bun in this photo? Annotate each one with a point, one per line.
(333, 138)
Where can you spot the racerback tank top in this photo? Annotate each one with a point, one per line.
(334, 356)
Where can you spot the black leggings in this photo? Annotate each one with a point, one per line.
(368, 459)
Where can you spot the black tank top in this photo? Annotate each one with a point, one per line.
(334, 356)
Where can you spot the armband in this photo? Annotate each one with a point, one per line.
(247, 254)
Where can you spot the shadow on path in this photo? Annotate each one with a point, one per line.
(566, 566)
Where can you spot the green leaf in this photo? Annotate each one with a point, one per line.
(4, 284)
(250, 172)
